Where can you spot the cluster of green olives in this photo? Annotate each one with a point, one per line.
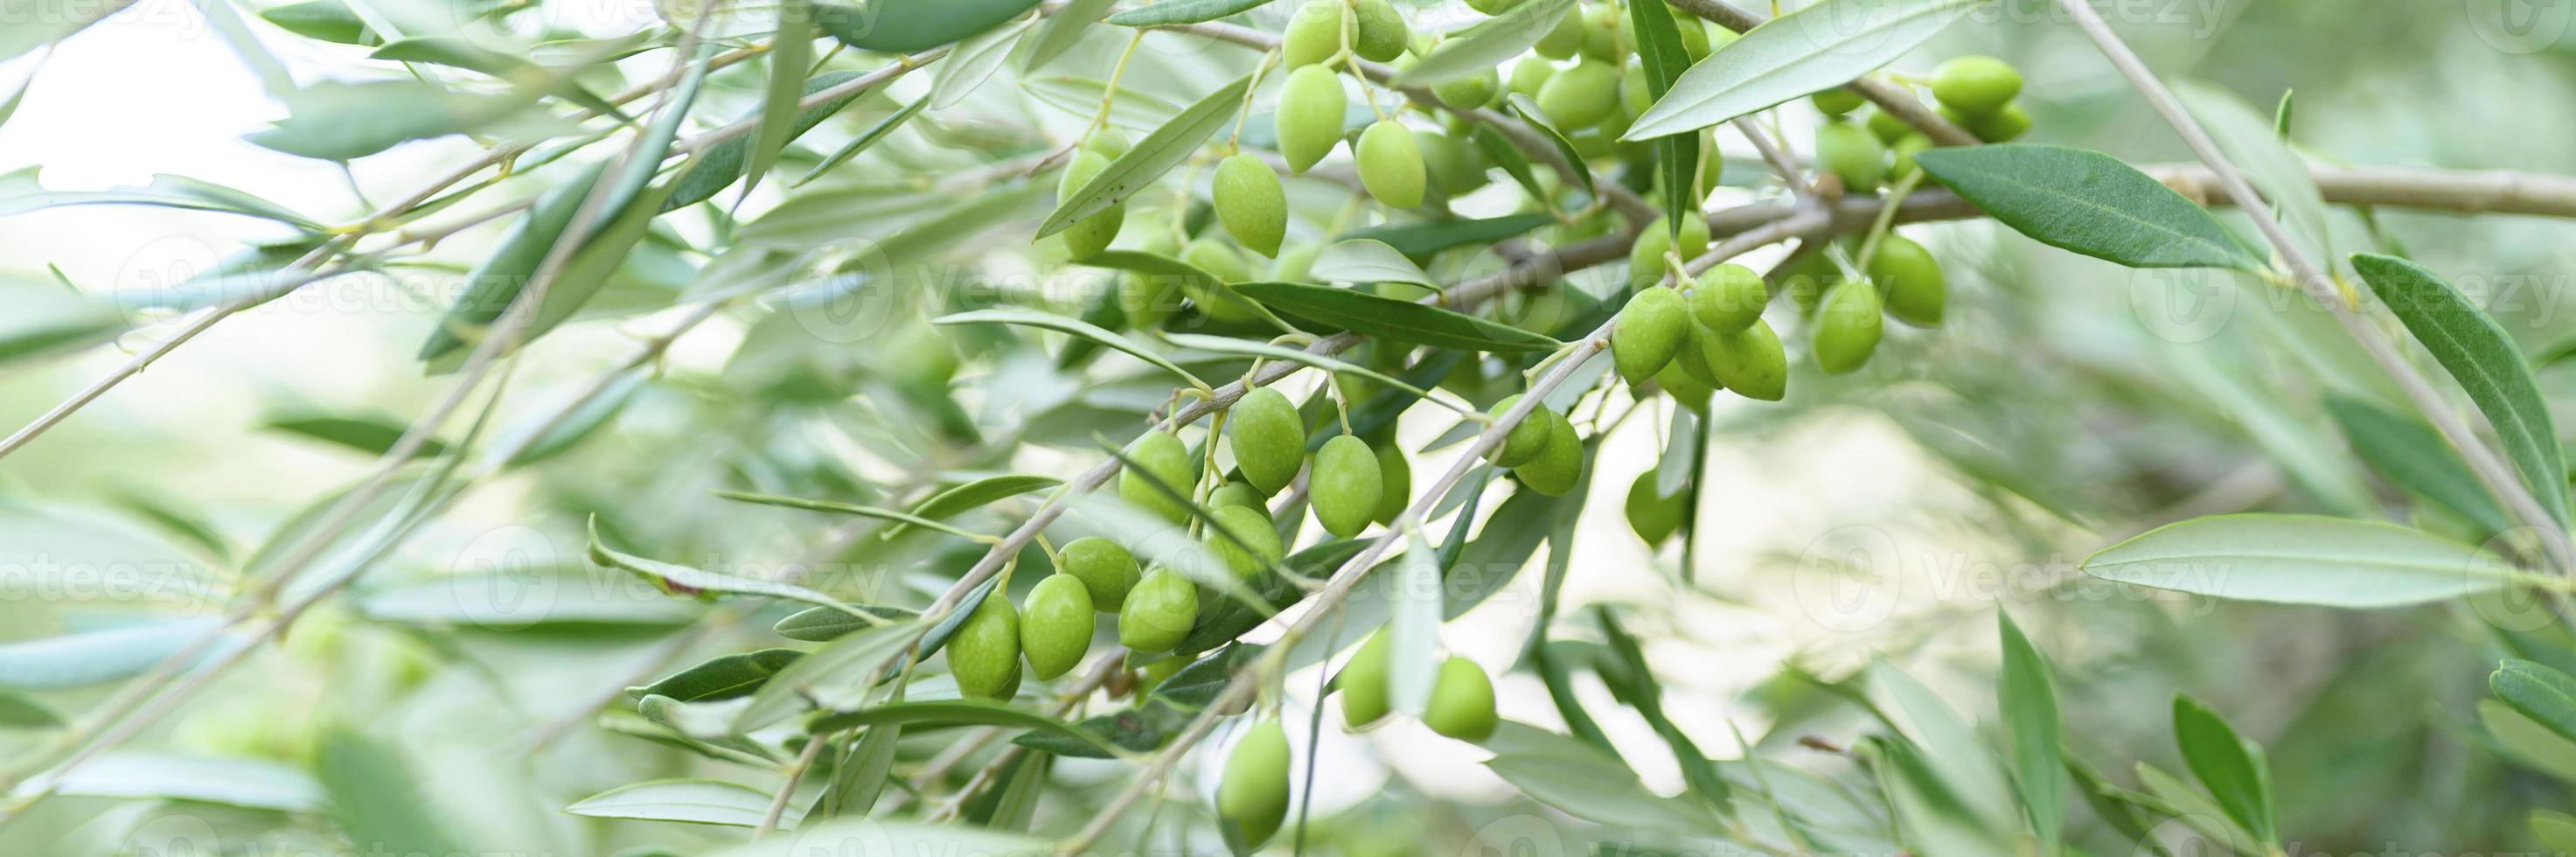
(1052, 628)
(1462, 697)
(1975, 93)
(1899, 278)
(1542, 450)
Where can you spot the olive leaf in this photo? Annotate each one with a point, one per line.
(1664, 59)
(721, 677)
(899, 518)
(683, 580)
(911, 26)
(1421, 238)
(1527, 108)
(1076, 327)
(693, 801)
(2027, 696)
(972, 495)
(2089, 203)
(1819, 46)
(2414, 456)
(840, 662)
(2545, 695)
(1389, 318)
(1166, 12)
(1366, 260)
(1149, 158)
(2232, 768)
(2483, 359)
(953, 712)
(1486, 44)
(2300, 559)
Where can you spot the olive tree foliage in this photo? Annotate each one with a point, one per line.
(1042, 330)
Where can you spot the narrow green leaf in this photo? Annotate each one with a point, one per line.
(2257, 147)
(1149, 158)
(2414, 456)
(19, 711)
(1413, 626)
(375, 796)
(1365, 260)
(894, 836)
(2300, 559)
(1529, 111)
(1510, 158)
(952, 712)
(791, 51)
(1820, 46)
(20, 193)
(1664, 59)
(972, 62)
(459, 52)
(1422, 238)
(1486, 44)
(1230, 345)
(1075, 327)
(338, 121)
(861, 778)
(2090, 203)
(825, 624)
(1080, 97)
(96, 657)
(721, 677)
(882, 514)
(249, 783)
(1586, 783)
(327, 20)
(1199, 284)
(683, 580)
(2027, 696)
(1222, 619)
(844, 661)
(2230, 767)
(1135, 730)
(1398, 320)
(911, 26)
(1182, 12)
(973, 495)
(865, 139)
(2485, 362)
(2545, 695)
(1062, 30)
(692, 801)
(372, 435)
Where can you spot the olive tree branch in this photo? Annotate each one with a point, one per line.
(2320, 287)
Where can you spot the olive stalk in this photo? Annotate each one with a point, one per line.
(2321, 287)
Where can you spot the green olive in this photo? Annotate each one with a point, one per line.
(1395, 481)
(1454, 164)
(1564, 38)
(1314, 33)
(1694, 33)
(1690, 392)
(1226, 264)
(1158, 612)
(1559, 464)
(1250, 202)
(1462, 702)
(1391, 164)
(1470, 92)
(2006, 124)
(1848, 327)
(1646, 265)
(1055, 625)
(1492, 7)
(1805, 278)
(1903, 149)
(1909, 279)
(1848, 151)
(1837, 101)
(1163, 458)
(1975, 85)
(1634, 95)
(1529, 76)
(1090, 235)
(1107, 140)
(1653, 516)
(1309, 116)
(1253, 796)
(1581, 96)
(1269, 439)
(1254, 546)
(1605, 33)
(1525, 439)
(1729, 298)
(1750, 362)
(1237, 493)
(1106, 570)
(1296, 264)
(1651, 329)
(1346, 486)
(1886, 127)
(1382, 31)
(984, 656)
(1362, 682)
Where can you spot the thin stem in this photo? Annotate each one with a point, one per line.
(795, 773)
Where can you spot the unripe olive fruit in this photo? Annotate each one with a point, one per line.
(1886, 127)
(1453, 164)
(1106, 570)
(1395, 481)
(1237, 493)
(1346, 485)
(1492, 7)
(1848, 328)
(1158, 612)
(1269, 439)
(1646, 265)
(1837, 101)
(1391, 164)
(1690, 392)
(1250, 202)
(1634, 95)
(1153, 674)
(1805, 278)
(1382, 32)
(1692, 361)
(1525, 439)
(1297, 264)
(1653, 516)
(1462, 701)
(1090, 235)
(1107, 140)
(1975, 85)
(1848, 151)
(1309, 118)
(984, 656)
(1581, 96)
(1560, 461)
(1161, 456)
(1729, 298)
(1694, 33)
(1470, 92)
(1253, 796)
(1529, 76)
(1605, 33)
(1314, 33)
(1254, 546)
(1563, 39)
(1902, 164)
(2006, 124)
(1651, 329)
(1909, 279)
(1055, 625)
(1362, 682)
(1226, 264)
(1750, 362)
